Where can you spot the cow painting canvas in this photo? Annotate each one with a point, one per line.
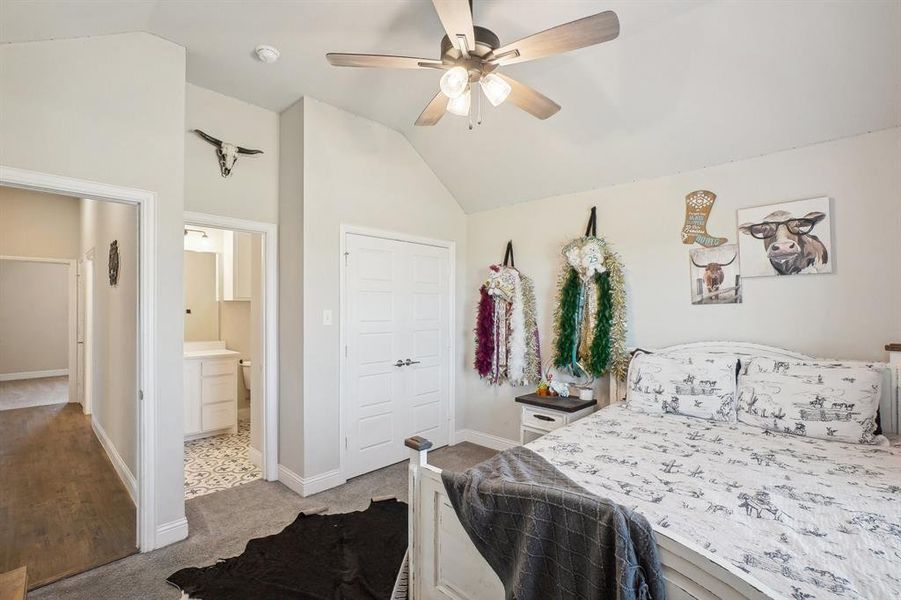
(715, 275)
(789, 238)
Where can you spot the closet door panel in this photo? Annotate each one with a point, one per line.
(428, 326)
(375, 386)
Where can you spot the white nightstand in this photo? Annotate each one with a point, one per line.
(542, 414)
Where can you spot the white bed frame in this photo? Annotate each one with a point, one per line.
(445, 565)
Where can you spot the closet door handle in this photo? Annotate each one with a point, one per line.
(399, 363)
(409, 362)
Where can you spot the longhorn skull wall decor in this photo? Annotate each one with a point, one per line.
(227, 153)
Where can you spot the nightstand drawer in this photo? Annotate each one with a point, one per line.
(543, 420)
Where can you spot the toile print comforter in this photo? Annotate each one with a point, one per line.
(807, 518)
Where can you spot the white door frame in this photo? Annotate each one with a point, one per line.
(88, 334)
(146, 203)
(269, 232)
(348, 229)
(71, 362)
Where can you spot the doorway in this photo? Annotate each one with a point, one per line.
(145, 203)
(69, 469)
(238, 261)
(397, 322)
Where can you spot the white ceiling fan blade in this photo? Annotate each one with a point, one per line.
(589, 31)
(433, 111)
(385, 61)
(456, 18)
(531, 101)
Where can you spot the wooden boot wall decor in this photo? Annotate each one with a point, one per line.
(698, 205)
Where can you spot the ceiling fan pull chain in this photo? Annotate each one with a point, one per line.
(479, 103)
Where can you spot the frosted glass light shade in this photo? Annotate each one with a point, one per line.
(460, 104)
(495, 88)
(454, 82)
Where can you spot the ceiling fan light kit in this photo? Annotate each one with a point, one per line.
(461, 104)
(454, 82)
(496, 89)
(471, 55)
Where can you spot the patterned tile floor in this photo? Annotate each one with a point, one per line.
(219, 462)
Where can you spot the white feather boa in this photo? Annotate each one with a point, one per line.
(517, 344)
(516, 356)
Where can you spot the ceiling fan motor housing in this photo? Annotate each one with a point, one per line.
(486, 41)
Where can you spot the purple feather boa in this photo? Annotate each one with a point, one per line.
(484, 334)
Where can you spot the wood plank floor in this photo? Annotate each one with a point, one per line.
(63, 509)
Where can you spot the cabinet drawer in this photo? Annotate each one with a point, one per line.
(218, 367)
(222, 388)
(219, 416)
(539, 419)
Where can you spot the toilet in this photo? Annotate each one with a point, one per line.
(245, 370)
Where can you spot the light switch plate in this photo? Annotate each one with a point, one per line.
(326, 317)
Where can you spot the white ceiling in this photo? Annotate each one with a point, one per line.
(686, 85)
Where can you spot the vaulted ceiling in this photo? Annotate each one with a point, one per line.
(686, 85)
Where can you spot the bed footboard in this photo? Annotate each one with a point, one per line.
(445, 565)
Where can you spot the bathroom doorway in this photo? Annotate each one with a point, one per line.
(229, 388)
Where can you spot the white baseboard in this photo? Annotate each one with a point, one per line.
(125, 474)
(484, 439)
(171, 532)
(255, 456)
(307, 486)
(33, 374)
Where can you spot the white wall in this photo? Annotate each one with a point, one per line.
(851, 313)
(114, 403)
(356, 172)
(122, 124)
(38, 225)
(290, 288)
(201, 296)
(235, 332)
(34, 316)
(251, 191)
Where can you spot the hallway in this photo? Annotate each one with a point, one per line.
(63, 509)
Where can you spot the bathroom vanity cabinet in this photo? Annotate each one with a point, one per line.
(210, 392)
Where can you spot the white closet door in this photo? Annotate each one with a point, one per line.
(397, 378)
(376, 305)
(428, 324)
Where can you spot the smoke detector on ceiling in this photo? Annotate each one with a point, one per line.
(267, 54)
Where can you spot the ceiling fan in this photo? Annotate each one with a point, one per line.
(471, 55)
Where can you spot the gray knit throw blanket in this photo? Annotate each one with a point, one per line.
(549, 539)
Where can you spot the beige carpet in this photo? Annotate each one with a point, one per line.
(24, 393)
(221, 524)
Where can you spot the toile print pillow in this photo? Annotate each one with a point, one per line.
(826, 400)
(698, 385)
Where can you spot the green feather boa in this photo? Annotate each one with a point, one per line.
(607, 346)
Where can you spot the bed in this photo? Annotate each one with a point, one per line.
(737, 512)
